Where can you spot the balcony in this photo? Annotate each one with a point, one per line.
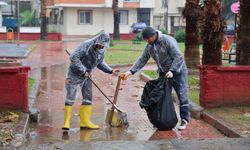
(138, 3)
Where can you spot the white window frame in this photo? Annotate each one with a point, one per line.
(127, 21)
(91, 17)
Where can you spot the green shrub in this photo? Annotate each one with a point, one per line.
(164, 31)
(111, 43)
(180, 36)
(28, 17)
(139, 36)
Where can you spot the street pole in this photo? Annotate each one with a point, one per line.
(165, 15)
(18, 22)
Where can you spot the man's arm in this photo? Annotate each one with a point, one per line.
(104, 67)
(175, 54)
(75, 58)
(140, 62)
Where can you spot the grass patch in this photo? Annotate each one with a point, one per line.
(127, 45)
(121, 57)
(118, 57)
(236, 115)
(30, 83)
(152, 73)
(182, 47)
(193, 82)
(124, 52)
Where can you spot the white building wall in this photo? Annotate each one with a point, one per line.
(102, 20)
(108, 20)
(158, 9)
(108, 3)
(147, 3)
(158, 15)
(73, 28)
(173, 6)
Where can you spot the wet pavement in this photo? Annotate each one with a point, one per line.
(49, 62)
(194, 144)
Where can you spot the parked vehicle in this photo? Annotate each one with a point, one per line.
(229, 30)
(137, 27)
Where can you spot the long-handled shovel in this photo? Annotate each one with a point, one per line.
(115, 117)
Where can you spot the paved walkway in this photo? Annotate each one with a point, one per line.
(52, 62)
(194, 144)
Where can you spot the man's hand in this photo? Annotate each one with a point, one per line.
(125, 75)
(169, 74)
(86, 75)
(115, 72)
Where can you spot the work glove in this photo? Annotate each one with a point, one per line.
(169, 74)
(86, 75)
(115, 72)
(125, 75)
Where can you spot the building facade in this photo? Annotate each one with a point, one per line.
(87, 17)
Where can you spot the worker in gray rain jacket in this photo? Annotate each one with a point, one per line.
(165, 51)
(88, 55)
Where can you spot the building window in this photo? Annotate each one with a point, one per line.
(84, 17)
(61, 18)
(50, 17)
(56, 17)
(124, 17)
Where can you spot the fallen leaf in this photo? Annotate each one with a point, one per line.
(247, 114)
(246, 132)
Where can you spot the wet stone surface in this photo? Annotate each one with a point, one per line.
(53, 62)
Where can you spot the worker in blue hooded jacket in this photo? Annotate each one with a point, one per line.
(88, 55)
(165, 51)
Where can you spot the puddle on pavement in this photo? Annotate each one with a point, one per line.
(48, 131)
(51, 105)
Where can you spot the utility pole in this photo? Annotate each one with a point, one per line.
(18, 22)
(165, 15)
(44, 32)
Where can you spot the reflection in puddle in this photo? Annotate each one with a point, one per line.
(51, 104)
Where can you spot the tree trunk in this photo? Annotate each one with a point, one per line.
(192, 53)
(213, 25)
(237, 38)
(165, 5)
(44, 34)
(244, 32)
(116, 35)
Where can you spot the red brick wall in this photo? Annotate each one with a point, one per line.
(14, 88)
(124, 36)
(221, 85)
(34, 36)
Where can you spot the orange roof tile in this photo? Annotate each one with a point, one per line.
(131, 4)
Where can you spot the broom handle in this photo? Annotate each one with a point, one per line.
(115, 99)
(113, 104)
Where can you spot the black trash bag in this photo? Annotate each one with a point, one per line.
(157, 101)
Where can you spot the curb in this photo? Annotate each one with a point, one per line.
(21, 131)
(34, 112)
(220, 125)
(25, 118)
(198, 112)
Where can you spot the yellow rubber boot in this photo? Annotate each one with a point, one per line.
(67, 114)
(85, 112)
